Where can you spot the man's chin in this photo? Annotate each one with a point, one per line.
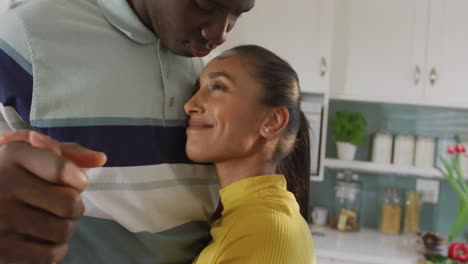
(180, 52)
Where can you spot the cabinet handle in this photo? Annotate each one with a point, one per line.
(323, 67)
(417, 75)
(433, 76)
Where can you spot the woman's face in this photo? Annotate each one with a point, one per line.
(225, 114)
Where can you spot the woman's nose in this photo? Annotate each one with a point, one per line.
(191, 107)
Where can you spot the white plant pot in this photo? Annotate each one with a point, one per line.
(346, 151)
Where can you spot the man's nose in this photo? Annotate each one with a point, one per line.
(216, 31)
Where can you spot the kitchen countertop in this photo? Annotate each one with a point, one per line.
(365, 246)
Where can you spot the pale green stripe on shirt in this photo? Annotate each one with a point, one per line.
(144, 186)
(106, 121)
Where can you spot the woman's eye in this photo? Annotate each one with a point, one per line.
(218, 86)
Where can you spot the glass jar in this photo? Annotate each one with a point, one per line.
(390, 220)
(347, 202)
(412, 211)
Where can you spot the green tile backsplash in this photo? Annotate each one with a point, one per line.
(437, 122)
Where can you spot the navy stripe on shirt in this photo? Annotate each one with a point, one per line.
(128, 145)
(15, 86)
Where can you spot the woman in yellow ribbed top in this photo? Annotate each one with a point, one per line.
(245, 118)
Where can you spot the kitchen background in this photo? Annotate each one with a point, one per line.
(403, 65)
(442, 123)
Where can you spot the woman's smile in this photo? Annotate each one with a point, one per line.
(198, 125)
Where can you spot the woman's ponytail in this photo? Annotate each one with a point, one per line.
(296, 166)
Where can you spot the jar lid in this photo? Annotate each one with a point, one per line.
(392, 191)
(354, 185)
(355, 177)
(383, 133)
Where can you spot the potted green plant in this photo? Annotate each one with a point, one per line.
(349, 131)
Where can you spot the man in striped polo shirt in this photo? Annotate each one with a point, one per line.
(111, 75)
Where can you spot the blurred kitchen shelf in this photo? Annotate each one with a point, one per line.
(399, 101)
(365, 166)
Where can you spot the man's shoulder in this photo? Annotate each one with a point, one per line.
(44, 7)
(13, 41)
(21, 8)
(24, 21)
(44, 12)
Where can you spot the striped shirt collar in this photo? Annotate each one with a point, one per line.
(120, 15)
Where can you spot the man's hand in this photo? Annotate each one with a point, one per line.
(40, 185)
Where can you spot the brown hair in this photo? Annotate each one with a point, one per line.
(281, 84)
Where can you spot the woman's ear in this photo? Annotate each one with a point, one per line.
(275, 123)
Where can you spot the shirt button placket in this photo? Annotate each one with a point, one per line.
(171, 102)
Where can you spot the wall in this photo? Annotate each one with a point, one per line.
(3, 4)
(437, 122)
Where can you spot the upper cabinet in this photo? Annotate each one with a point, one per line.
(379, 49)
(447, 60)
(299, 32)
(401, 51)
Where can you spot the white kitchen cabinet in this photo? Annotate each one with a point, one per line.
(401, 51)
(379, 49)
(448, 53)
(300, 32)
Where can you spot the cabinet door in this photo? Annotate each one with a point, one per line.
(448, 53)
(298, 31)
(379, 50)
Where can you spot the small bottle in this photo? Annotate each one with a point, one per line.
(390, 220)
(412, 212)
(340, 198)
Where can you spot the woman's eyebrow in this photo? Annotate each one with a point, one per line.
(213, 75)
